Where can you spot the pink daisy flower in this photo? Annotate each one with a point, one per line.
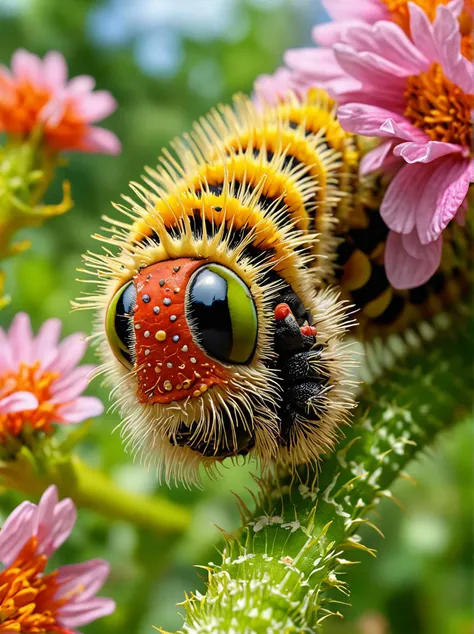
(32, 601)
(319, 67)
(37, 93)
(417, 94)
(39, 381)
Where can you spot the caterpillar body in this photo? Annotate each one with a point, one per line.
(217, 324)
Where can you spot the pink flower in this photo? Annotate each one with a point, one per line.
(320, 67)
(60, 601)
(417, 95)
(409, 82)
(39, 381)
(269, 88)
(36, 93)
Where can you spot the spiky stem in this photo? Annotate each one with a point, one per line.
(277, 573)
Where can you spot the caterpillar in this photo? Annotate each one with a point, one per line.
(217, 321)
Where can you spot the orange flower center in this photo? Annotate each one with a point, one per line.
(400, 15)
(20, 112)
(439, 107)
(28, 378)
(27, 603)
(20, 107)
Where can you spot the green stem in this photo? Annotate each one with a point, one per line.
(26, 172)
(92, 489)
(279, 573)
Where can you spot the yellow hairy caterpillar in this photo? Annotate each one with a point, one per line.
(217, 324)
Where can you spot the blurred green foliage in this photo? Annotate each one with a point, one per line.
(422, 580)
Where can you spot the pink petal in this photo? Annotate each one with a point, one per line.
(64, 519)
(368, 120)
(366, 10)
(388, 41)
(401, 203)
(91, 575)
(347, 90)
(269, 89)
(46, 341)
(372, 69)
(17, 529)
(75, 615)
(317, 63)
(329, 34)
(447, 34)
(403, 130)
(425, 152)
(20, 337)
(70, 352)
(18, 402)
(45, 512)
(80, 85)
(101, 141)
(27, 67)
(442, 198)
(408, 263)
(95, 106)
(6, 358)
(381, 158)
(81, 409)
(71, 385)
(422, 32)
(52, 113)
(55, 71)
(456, 6)
(54, 521)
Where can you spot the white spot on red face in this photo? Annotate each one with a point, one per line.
(163, 324)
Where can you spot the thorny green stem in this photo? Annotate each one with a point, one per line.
(278, 572)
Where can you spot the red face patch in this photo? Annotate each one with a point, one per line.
(170, 366)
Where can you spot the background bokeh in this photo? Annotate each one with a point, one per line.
(167, 62)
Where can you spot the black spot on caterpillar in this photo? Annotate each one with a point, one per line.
(218, 328)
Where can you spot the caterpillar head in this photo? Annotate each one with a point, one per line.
(180, 326)
(212, 356)
(211, 332)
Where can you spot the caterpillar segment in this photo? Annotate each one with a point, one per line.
(216, 323)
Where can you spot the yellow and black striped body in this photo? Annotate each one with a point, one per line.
(306, 170)
(272, 198)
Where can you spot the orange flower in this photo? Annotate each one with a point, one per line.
(37, 94)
